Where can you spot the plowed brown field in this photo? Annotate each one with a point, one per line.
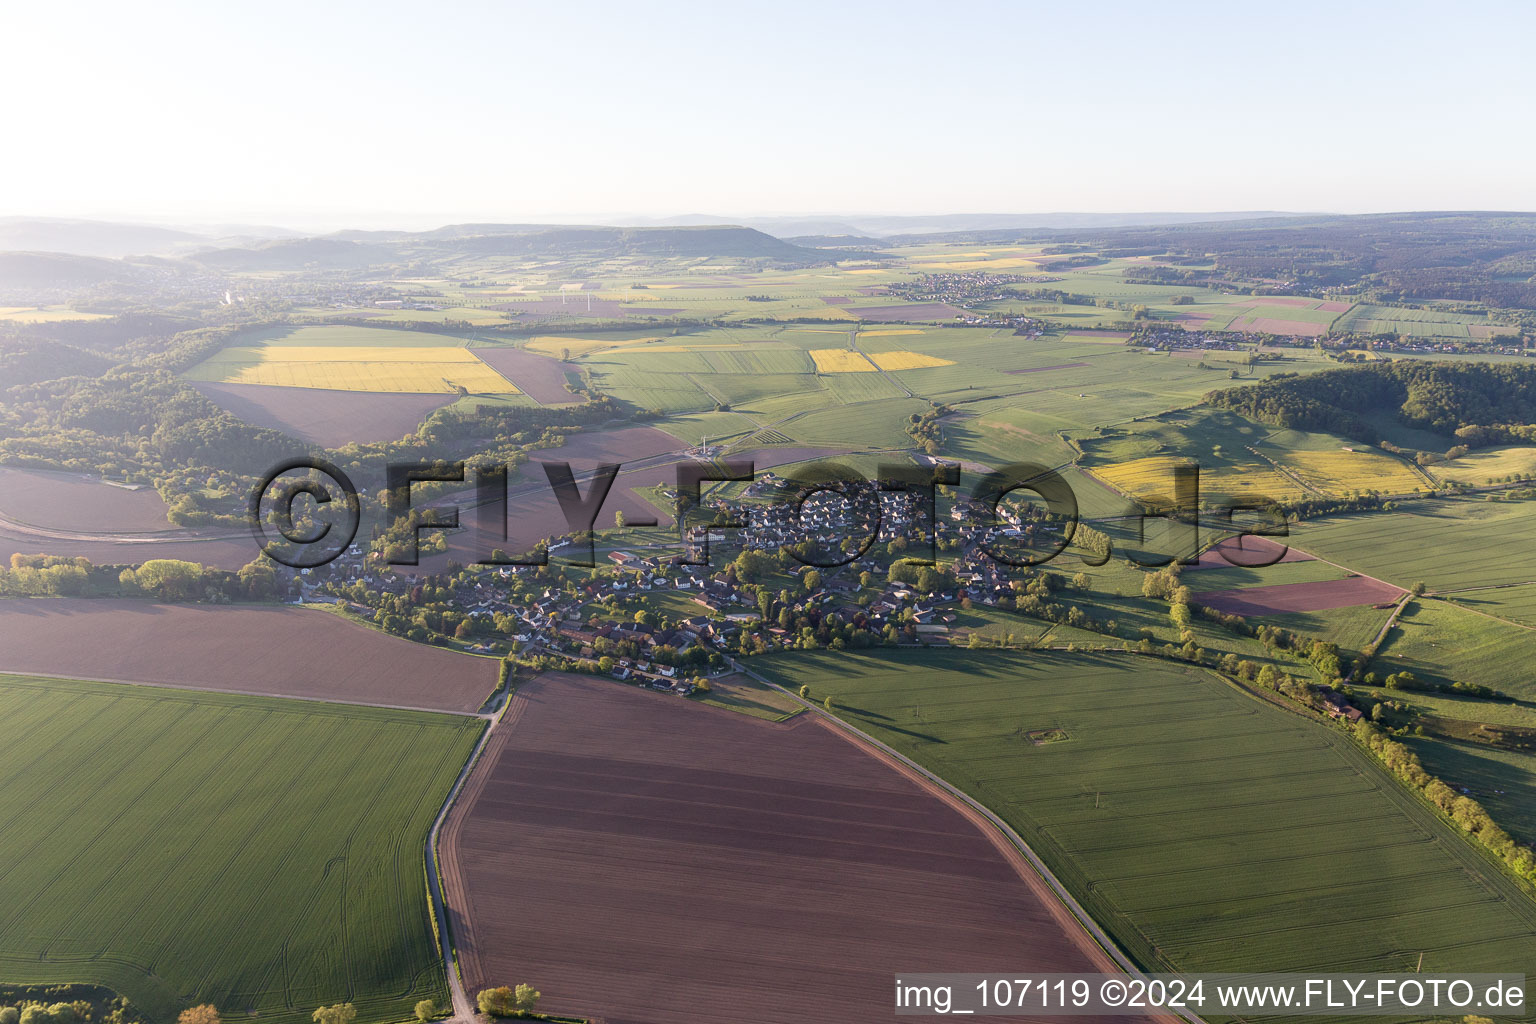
(643, 859)
(261, 649)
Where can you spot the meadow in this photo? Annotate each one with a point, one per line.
(353, 359)
(1439, 642)
(1181, 811)
(1504, 781)
(262, 855)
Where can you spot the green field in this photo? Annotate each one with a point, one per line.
(1448, 543)
(1517, 603)
(1504, 781)
(1351, 628)
(1438, 641)
(262, 855)
(1205, 829)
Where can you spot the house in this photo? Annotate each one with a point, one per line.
(1335, 706)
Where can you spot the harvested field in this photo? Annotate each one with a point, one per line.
(1285, 598)
(255, 649)
(647, 860)
(70, 501)
(323, 416)
(910, 311)
(539, 377)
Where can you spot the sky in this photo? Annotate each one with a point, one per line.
(323, 115)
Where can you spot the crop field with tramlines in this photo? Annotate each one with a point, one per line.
(1182, 811)
(1447, 543)
(262, 855)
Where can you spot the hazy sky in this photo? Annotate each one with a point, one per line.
(323, 114)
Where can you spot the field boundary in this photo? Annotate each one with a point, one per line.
(978, 812)
(442, 922)
(264, 694)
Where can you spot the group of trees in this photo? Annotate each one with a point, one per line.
(505, 1001)
(164, 579)
(1468, 815)
(1476, 403)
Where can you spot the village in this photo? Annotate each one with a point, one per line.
(645, 615)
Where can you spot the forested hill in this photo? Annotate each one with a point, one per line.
(380, 248)
(1478, 403)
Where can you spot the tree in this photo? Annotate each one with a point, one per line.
(9, 1015)
(618, 519)
(805, 692)
(204, 1014)
(527, 998)
(426, 1010)
(498, 1002)
(827, 704)
(811, 580)
(340, 1013)
(170, 578)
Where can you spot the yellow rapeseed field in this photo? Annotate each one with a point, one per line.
(384, 368)
(901, 360)
(1153, 477)
(1495, 463)
(840, 360)
(1336, 472)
